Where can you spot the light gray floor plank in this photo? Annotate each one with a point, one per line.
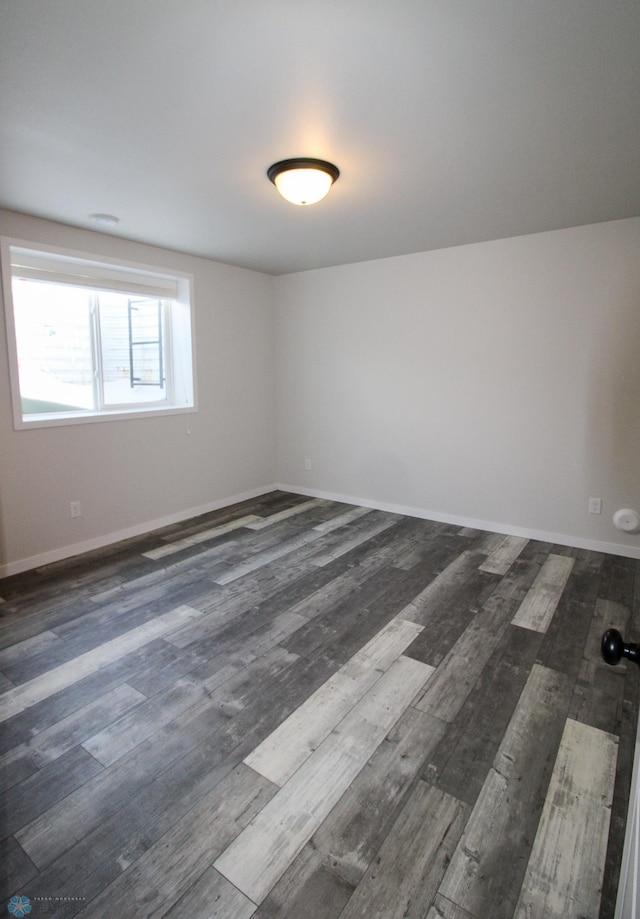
(131, 729)
(22, 650)
(262, 559)
(342, 519)
(197, 538)
(383, 649)
(284, 751)
(537, 609)
(504, 555)
(356, 828)
(261, 854)
(566, 867)
(28, 694)
(144, 588)
(288, 513)
(353, 542)
(321, 879)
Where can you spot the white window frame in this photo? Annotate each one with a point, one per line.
(113, 274)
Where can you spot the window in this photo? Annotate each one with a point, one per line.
(92, 339)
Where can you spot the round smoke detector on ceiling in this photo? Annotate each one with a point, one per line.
(103, 220)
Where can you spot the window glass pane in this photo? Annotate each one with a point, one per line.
(133, 349)
(89, 339)
(53, 339)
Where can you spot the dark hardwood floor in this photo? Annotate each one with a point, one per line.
(293, 707)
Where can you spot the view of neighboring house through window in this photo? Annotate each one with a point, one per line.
(90, 339)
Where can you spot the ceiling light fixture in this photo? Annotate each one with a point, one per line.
(303, 180)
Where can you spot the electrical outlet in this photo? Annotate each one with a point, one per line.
(595, 505)
(76, 509)
(307, 464)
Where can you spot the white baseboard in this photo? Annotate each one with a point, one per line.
(560, 539)
(99, 542)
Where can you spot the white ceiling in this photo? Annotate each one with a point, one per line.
(452, 121)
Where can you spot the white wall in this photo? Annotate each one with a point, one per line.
(497, 383)
(131, 473)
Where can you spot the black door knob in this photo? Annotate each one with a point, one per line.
(614, 649)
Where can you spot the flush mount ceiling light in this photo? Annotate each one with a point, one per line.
(303, 180)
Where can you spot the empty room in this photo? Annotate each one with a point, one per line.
(320, 459)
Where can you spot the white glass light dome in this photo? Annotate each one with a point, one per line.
(303, 181)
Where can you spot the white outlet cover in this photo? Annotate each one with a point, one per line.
(627, 520)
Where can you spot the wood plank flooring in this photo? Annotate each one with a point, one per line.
(296, 708)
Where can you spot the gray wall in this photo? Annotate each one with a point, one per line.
(495, 384)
